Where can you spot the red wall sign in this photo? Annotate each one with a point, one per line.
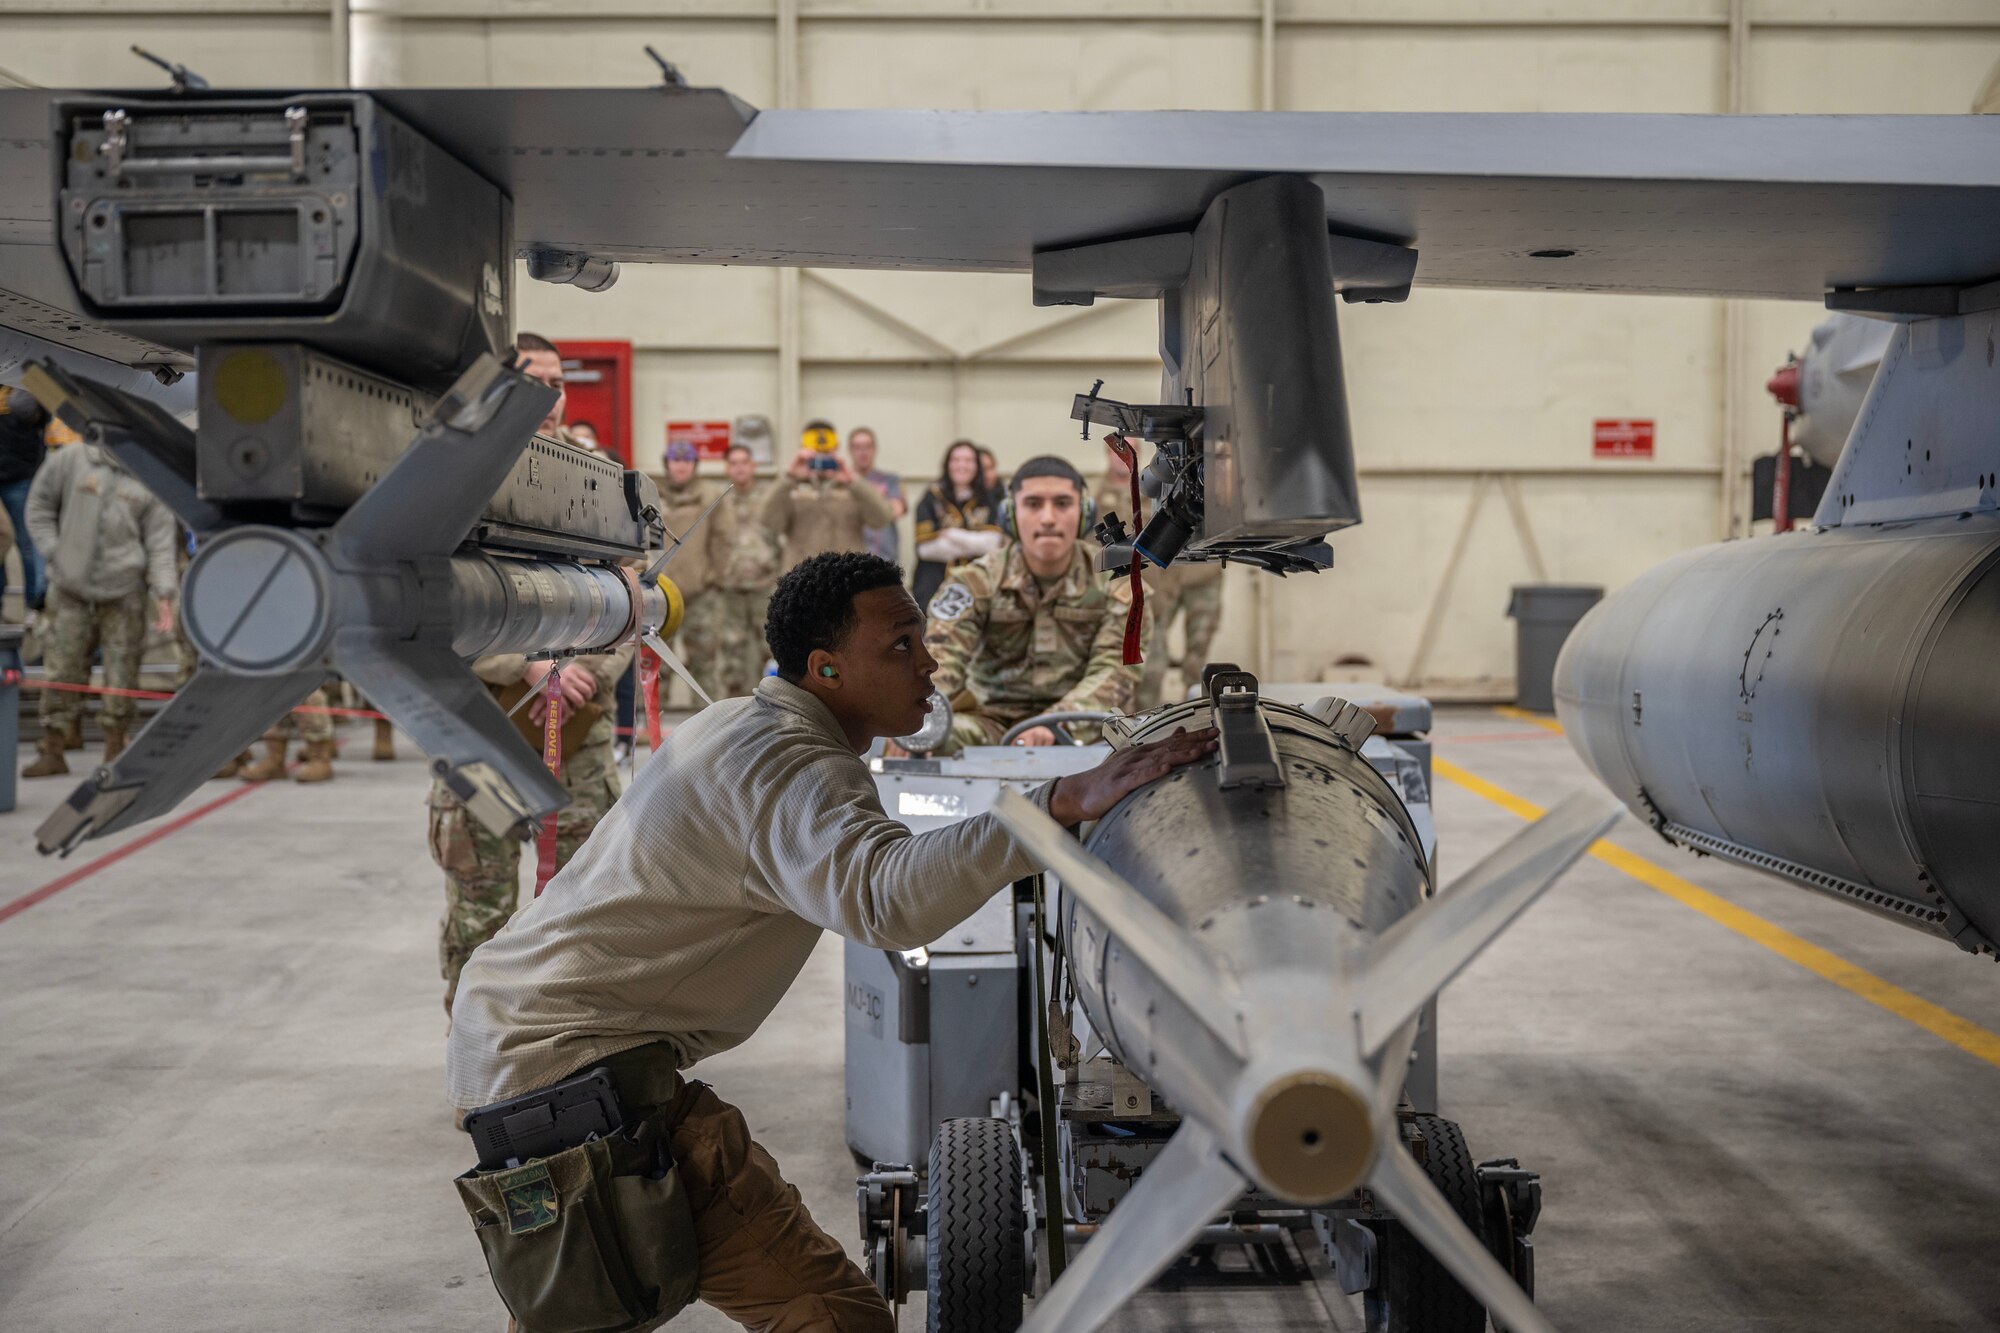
(1622, 438)
(711, 438)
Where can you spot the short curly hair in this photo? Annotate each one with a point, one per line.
(813, 606)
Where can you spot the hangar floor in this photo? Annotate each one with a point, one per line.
(220, 1102)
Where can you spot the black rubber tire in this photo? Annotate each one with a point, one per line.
(977, 1248)
(1413, 1292)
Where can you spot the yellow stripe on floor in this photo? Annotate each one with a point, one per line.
(1960, 1032)
(1542, 720)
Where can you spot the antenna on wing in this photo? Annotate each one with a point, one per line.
(185, 79)
(670, 73)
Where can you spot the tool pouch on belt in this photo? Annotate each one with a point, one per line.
(593, 1239)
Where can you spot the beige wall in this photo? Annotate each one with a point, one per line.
(1471, 410)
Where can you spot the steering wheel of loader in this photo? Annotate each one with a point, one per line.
(1055, 722)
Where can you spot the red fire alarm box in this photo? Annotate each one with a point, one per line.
(598, 379)
(1624, 437)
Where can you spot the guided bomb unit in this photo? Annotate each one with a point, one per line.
(1200, 929)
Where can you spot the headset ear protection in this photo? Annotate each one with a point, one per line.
(1086, 514)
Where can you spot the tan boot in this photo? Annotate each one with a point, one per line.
(72, 734)
(271, 767)
(318, 765)
(385, 740)
(114, 743)
(234, 766)
(51, 764)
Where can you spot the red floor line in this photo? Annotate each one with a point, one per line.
(140, 843)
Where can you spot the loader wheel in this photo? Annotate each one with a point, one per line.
(977, 1229)
(1414, 1293)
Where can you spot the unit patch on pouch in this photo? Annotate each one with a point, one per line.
(952, 601)
(529, 1197)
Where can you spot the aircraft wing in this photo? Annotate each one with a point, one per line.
(1755, 206)
(1759, 206)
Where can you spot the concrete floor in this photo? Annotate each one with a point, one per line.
(221, 1106)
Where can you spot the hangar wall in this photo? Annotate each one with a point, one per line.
(1472, 410)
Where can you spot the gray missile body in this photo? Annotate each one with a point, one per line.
(475, 538)
(1285, 886)
(1816, 705)
(1256, 935)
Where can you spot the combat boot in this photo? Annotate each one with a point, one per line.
(51, 764)
(271, 767)
(72, 734)
(385, 740)
(114, 743)
(318, 763)
(234, 766)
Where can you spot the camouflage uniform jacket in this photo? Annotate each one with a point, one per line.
(697, 565)
(132, 547)
(755, 557)
(1115, 497)
(818, 515)
(995, 632)
(506, 669)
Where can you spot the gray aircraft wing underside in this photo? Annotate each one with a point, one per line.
(1761, 206)
(1756, 206)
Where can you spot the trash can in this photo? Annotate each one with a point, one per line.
(1544, 614)
(10, 711)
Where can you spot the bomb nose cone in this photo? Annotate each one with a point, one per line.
(1310, 1137)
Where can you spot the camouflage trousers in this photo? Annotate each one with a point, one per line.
(482, 871)
(74, 628)
(1202, 605)
(701, 644)
(726, 648)
(306, 726)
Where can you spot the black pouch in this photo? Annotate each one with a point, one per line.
(593, 1239)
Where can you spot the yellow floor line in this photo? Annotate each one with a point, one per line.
(1939, 1022)
(1542, 720)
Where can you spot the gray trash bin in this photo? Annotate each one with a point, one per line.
(10, 711)
(1544, 614)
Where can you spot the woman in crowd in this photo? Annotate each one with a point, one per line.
(958, 520)
(989, 472)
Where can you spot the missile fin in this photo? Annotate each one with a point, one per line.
(1180, 1192)
(428, 500)
(431, 693)
(1398, 1181)
(1413, 959)
(666, 654)
(213, 717)
(1168, 951)
(1392, 1070)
